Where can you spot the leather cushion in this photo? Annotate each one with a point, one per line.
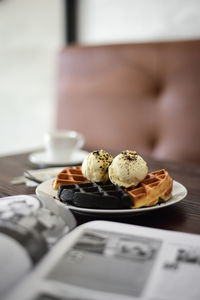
(143, 97)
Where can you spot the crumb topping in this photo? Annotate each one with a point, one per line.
(129, 155)
(103, 156)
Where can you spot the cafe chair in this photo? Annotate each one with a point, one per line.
(143, 97)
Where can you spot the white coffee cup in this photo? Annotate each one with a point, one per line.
(61, 145)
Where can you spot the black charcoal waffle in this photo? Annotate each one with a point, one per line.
(95, 195)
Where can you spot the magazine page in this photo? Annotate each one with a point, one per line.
(107, 260)
(28, 230)
(15, 263)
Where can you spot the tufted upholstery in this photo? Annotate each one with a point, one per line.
(138, 96)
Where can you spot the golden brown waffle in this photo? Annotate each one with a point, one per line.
(155, 188)
(70, 175)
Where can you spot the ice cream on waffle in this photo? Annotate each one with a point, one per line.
(94, 169)
(127, 169)
(95, 166)
(143, 189)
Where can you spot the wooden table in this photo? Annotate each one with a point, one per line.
(183, 216)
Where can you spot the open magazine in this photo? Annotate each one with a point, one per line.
(108, 260)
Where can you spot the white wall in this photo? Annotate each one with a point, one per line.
(30, 36)
(111, 21)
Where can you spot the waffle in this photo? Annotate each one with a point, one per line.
(70, 175)
(95, 195)
(155, 188)
(76, 190)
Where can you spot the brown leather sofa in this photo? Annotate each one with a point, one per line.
(137, 96)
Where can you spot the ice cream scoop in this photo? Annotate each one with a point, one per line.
(95, 166)
(127, 169)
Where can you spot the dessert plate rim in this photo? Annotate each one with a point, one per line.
(45, 190)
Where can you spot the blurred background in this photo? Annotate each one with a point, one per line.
(33, 32)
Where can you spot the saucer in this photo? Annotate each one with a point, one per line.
(41, 158)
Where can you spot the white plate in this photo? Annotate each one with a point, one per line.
(41, 158)
(45, 189)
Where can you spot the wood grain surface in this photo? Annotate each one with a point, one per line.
(183, 216)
